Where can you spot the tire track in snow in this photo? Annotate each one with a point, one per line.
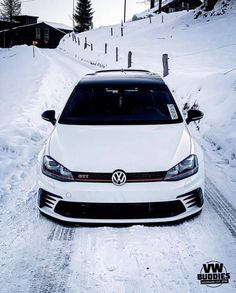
(52, 272)
(221, 206)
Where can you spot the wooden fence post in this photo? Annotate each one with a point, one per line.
(111, 31)
(78, 41)
(85, 43)
(105, 48)
(91, 47)
(129, 59)
(117, 54)
(165, 64)
(150, 18)
(122, 29)
(162, 18)
(33, 51)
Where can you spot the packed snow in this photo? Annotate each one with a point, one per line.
(39, 255)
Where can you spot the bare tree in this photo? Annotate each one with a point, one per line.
(10, 8)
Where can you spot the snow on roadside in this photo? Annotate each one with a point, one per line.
(25, 94)
(202, 70)
(18, 96)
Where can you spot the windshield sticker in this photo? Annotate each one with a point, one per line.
(172, 111)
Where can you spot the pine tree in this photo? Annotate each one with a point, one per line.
(10, 8)
(83, 16)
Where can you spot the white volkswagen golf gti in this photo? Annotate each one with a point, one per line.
(121, 152)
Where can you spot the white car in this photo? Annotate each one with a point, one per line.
(121, 152)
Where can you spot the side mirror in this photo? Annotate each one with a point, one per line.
(194, 115)
(49, 115)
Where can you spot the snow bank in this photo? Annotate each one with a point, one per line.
(21, 77)
(28, 86)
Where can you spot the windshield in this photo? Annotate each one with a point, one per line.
(122, 105)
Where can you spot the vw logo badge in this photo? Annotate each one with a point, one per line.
(118, 178)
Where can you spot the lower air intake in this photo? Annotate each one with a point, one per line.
(119, 210)
(47, 199)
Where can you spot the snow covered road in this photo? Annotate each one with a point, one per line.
(39, 255)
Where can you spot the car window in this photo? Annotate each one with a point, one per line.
(124, 104)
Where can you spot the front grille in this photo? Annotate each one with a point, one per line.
(193, 198)
(119, 210)
(131, 177)
(47, 199)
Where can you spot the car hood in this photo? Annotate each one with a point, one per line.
(133, 148)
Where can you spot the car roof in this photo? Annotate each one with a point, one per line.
(122, 76)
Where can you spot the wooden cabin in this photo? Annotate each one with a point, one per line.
(179, 5)
(25, 30)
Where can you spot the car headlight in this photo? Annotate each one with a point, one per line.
(184, 169)
(53, 169)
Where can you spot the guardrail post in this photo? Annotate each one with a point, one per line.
(105, 48)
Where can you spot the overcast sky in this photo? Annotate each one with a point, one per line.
(105, 11)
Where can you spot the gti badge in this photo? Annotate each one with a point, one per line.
(118, 178)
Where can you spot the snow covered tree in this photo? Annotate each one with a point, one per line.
(83, 16)
(10, 8)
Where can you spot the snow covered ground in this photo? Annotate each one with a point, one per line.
(39, 255)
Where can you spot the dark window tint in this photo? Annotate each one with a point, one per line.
(120, 105)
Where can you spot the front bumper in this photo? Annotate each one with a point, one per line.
(152, 202)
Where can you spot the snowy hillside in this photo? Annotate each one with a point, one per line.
(40, 255)
(202, 64)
